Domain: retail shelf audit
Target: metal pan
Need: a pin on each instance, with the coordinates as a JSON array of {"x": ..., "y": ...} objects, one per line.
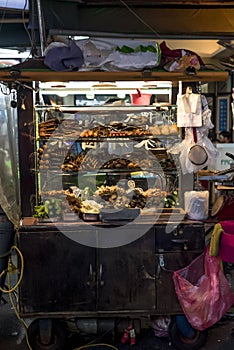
[{"x": 197, "y": 155}]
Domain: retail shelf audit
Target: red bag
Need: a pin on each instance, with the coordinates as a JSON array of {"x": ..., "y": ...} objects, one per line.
[{"x": 203, "y": 291}]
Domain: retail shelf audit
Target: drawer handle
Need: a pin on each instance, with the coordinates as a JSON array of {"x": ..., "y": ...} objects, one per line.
[
  {"x": 181, "y": 241},
  {"x": 101, "y": 275},
  {"x": 91, "y": 278},
  {"x": 146, "y": 275}
]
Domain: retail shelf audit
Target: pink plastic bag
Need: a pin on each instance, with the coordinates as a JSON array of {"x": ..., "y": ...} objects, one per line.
[{"x": 203, "y": 291}]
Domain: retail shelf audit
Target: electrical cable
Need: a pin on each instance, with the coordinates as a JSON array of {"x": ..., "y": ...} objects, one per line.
[
  {"x": 3, "y": 16},
  {"x": 23, "y": 18},
  {"x": 93, "y": 342},
  {"x": 11, "y": 290},
  {"x": 17, "y": 313},
  {"x": 99, "y": 344},
  {"x": 20, "y": 319},
  {"x": 25, "y": 27},
  {"x": 140, "y": 19},
  {"x": 10, "y": 268}
]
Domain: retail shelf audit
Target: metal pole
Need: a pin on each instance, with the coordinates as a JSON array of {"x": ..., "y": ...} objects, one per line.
[{"x": 41, "y": 27}]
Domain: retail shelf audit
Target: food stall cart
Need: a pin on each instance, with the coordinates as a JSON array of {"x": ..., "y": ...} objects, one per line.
[{"x": 107, "y": 270}]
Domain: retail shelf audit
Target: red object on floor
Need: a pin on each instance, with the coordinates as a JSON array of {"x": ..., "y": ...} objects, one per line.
[
  {"x": 129, "y": 333},
  {"x": 125, "y": 336},
  {"x": 132, "y": 336}
]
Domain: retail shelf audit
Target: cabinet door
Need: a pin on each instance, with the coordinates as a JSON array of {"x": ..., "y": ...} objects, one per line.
[
  {"x": 167, "y": 301},
  {"x": 126, "y": 276},
  {"x": 58, "y": 274}
]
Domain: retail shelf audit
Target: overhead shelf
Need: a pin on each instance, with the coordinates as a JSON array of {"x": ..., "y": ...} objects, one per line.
[{"x": 46, "y": 76}]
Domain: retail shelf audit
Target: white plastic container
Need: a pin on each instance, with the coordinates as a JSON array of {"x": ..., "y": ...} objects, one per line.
[{"x": 196, "y": 204}]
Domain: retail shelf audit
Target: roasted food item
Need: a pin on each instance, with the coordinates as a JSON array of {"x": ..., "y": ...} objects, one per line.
[
  {"x": 119, "y": 197},
  {"x": 165, "y": 130},
  {"x": 155, "y": 130},
  {"x": 114, "y": 130},
  {"x": 90, "y": 206},
  {"x": 119, "y": 163},
  {"x": 83, "y": 161},
  {"x": 106, "y": 190},
  {"x": 73, "y": 201},
  {"x": 173, "y": 129},
  {"x": 98, "y": 131},
  {"x": 51, "y": 157},
  {"x": 46, "y": 128},
  {"x": 207, "y": 172}
]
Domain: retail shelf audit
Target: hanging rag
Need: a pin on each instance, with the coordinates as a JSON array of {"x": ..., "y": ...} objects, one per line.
[
  {"x": 189, "y": 110},
  {"x": 215, "y": 240}
]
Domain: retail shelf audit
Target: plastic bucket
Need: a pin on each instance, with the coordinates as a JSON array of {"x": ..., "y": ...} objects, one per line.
[{"x": 140, "y": 99}]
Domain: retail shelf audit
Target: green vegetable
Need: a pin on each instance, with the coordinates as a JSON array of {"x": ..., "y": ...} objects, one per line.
[
  {"x": 171, "y": 200},
  {"x": 151, "y": 48},
  {"x": 126, "y": 49},
  {"x": 40, "y": 212}
]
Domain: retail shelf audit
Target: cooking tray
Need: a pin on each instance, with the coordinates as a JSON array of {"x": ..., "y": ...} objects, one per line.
[{"x": 121, "y": 214}]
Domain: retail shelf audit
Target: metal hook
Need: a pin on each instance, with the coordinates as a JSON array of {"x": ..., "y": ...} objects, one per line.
[
  {"x": 27, "y": 86},
  {"x": 23, "y": 98}
]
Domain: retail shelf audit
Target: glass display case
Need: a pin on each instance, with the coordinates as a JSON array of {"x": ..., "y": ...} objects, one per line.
[{"x": 92, "y": 159}]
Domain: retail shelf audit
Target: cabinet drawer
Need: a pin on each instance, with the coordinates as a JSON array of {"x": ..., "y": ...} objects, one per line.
[{"x": 180, "y": 238}]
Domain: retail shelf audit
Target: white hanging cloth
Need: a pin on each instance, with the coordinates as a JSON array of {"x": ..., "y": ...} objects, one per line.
[{"x": 189, "y": 110}]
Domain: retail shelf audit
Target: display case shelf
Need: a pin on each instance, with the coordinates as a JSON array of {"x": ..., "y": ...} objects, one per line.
[{"x": 47, "y": 75}]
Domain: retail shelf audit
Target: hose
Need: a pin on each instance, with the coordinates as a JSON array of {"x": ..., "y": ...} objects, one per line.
[
  {"x": 10, "y": 268},
  {"x": 11, "y": 290},
  {"x": 92, "y": 345}
]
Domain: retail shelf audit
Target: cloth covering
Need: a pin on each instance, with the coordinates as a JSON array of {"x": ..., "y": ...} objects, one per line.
[
  {"x": 189, "y": 110},
  {"x": 62, "y": 57}
]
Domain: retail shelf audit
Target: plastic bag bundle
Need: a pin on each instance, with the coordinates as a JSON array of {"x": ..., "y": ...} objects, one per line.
[
  {"x": 160, "y": 326},
  {"x": 203, "y": 291},
  {"x": 105, "y": 55},
  {"x": 184, "y": 147}
]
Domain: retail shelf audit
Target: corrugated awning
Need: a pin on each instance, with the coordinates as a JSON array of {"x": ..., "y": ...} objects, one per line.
[
  {"x": 132, "y": 19},
  {"x": 69, "y": 17}
]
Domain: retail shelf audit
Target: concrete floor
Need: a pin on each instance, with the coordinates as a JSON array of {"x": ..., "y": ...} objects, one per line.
[{"x": 221, "y": 336}]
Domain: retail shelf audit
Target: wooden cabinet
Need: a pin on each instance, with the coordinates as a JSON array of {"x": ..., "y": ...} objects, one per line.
[
  {"x": 127, "y": 273},
  {"x": 175, "y": 249},
  {"x": 63, "y": 277},
  {"x": 58, "y": 275}
]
